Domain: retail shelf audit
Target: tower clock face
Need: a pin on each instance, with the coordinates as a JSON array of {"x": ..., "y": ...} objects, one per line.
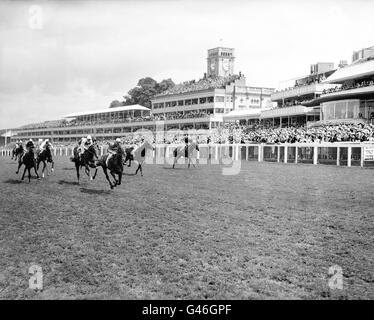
[
  {"x": 225, "y": 65},
  {"x": 212, "y": 66}
]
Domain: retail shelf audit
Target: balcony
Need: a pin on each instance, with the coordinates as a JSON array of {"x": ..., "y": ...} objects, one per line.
[{"x": 314, "y": 88}]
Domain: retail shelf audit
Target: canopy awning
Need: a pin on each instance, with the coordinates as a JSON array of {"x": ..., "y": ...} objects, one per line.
[
  {"x": 243, "y": 114},
  {"x": 289, "y": 111},
  {"x": 354, "y": 71},
  {"x": 108, "y": 110}
]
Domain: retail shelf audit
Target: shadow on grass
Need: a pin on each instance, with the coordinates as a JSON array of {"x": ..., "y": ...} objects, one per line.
[
  {"x": 69, "y": 183},
  {"x": 93, "y": 191},
  {"x": 13, "y": 181},
  {"x": 68, "y": 168},
  {"x": 180, "y": 167}
]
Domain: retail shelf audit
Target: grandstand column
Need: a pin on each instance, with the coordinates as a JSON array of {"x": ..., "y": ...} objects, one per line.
[
  {"x": 315, "y": 155},
  {"x": 349, "y": 156},
  {"x": 55, "y": 151},
  {"x": 296, "y": 153},
  {"x": 338, "y": 156},
  {"x": 246, "y": 153},
  {"x": 285, "y": 154},
  {"x": 216, "y": 156}
]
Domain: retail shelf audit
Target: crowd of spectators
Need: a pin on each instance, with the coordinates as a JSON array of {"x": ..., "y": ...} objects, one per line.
[
  {"x": 305, "y": 82},
  {"x": 205, "y": 83},
  {"x": 350, "y": 85},
  {"x": 235, "y": 133}
]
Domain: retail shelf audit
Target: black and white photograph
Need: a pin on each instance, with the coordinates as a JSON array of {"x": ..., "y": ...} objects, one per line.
[{"x": 185, "y": 150}]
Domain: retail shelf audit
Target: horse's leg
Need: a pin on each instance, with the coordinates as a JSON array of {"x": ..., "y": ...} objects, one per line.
[
  {"x": 77, "y": 168},
  {"x": 36, "y": 171},
  {"x": 129, "y": 165},
  {"x": 119, "y": 178},
  {"x": 141, "y": 168},
  {"x": 19, "y": 166},
  {"x": 114, "y": 177},
  {"x": 53, "y": 166},
  {"x": 44, "y": 166},
  {"x": 24, "y": 171},
  {"x": 107, "y": 177},
  {"x": 94, "y": 176},
  {"x": 175, "y": 161},
  {"x": 29, "y": 170}
]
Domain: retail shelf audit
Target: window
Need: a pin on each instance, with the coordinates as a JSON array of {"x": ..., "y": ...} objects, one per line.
[
  {"x": 173, "y": 103},
  {"x": 220, "y": 99},
  {"x": 187, "y": 102},
  {"x": 180, "y": 103},
  {"x": 195, "y": 101},
  {"x": 202, "y": 100},
  {"x": 210, "y": 99}
]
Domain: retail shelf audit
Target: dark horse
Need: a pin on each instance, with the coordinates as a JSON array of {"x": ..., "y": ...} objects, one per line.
[
  {"x": 129, "y": 156},
  {"x": 86, "y": 160},
  {"x": 114, "y": 165},
  {"x": 17, "y": 151},
  {"x": 45, "y": 156},
  {"x": 27, "y": 158}
]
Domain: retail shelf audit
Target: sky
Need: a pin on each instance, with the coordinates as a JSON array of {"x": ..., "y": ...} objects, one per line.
[{"x": 59, "y": 57}]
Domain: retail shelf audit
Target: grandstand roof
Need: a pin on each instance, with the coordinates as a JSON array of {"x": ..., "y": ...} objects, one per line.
[
  {"x": 107, "y": 110},
  {"x": 354, "y": 71}
]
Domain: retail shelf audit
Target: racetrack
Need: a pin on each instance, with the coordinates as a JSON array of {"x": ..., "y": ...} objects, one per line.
[{"x": 270, "y": 232}]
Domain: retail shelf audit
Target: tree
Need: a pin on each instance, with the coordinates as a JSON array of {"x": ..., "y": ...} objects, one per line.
[
  {"x": 145, "y": 90},
  {"x": 115, "y": 104}
]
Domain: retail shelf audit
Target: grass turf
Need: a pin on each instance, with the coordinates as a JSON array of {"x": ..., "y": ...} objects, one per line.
[{"x": 270, "y": 232}]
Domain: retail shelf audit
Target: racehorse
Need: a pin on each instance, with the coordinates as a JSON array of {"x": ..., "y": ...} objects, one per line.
[
  {"x": 138, "y": 155},
  {"x": 185, "y": 151},
  {"x": 27, "y": 158},
  {"x": 16, "y": 152},
  {"x": 45, "y": 156},
  {"x": 86, "y": 160},
  {"x": 129, "y": 156},
  {"x": 114, "y": 165}
]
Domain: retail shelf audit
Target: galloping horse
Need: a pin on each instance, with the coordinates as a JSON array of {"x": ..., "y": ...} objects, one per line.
[
  {"x": 185, "y": 151},
  {"x": 17, "y": 151},
  {"x": 45, "y": 156},
  {"x": 138, "y": 155},
  {"x": 114, "y": 165},
  {"x": 86, "y": 160},
  {"x": 27, "y": 158}
]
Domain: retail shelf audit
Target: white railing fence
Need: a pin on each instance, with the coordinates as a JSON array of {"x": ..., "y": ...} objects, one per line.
[{"x": 340, "y": 154}]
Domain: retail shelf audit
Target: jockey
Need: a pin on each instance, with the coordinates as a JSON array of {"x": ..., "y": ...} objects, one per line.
[
  {"x": 43, "y": 146},
  {"x": 114, "y": 148},
  {"x": 85, "y": 143},
  {"x": 30, "y": 145}
]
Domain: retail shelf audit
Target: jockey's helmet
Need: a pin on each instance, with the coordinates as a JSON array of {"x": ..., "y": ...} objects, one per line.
[
  {"x": 89, "y": 137},
  {"x": 20, "y": 141},
  {"x": 118, "y": 140}
]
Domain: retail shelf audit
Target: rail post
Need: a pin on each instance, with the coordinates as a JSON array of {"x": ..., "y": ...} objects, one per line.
[
  {"x": 349, "y": 156},
  {"x": 338, "y": 156},
  {"x": 315, "y": 155},
  {"x": 246, "y": 153},
  {"x": 362, "y": 156},
  {"x": 278, "y": 154},
  {"x": 285, "y": 154},
  {"x": 296, "y": 154}
]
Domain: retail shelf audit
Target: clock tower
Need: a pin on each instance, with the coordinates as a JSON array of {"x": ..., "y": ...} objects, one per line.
[{"x": 220, "y": 62}]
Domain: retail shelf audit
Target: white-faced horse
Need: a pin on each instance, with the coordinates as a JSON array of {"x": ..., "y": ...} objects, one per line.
[
  {"x": 139, "y": 155},
  {"x": 185, "y": 151}
]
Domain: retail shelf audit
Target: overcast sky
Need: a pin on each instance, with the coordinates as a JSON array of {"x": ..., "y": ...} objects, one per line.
[{"x": 82, "y": 55}]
